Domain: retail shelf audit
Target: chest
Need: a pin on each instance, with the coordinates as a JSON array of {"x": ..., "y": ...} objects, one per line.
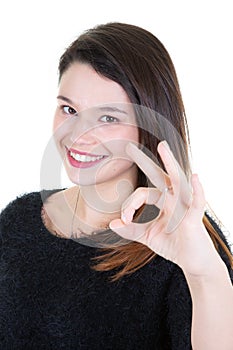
[{"x": 60, "y": 299}]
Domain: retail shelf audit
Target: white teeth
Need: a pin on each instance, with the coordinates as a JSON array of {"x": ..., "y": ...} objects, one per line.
[{"x": 83, "y": 158}]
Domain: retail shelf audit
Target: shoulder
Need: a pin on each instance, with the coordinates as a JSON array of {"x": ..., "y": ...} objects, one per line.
[
  {"x": 17, "y": 208},
  {"x": 221, "y": 233},
  {"x": 219, "y": 228},
  {"x": 22, "y": 211}
]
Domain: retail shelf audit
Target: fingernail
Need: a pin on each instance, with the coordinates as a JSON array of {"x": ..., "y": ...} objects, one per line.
[
  {"x": 130, "y": 149},
  {"x": 166, "y": 144},
  {"x": 115, "y": 225},
  {"x": 129, "y": 146}
]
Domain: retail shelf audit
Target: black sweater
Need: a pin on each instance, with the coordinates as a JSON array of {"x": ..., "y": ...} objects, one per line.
[{"x": 51, "y": 298}]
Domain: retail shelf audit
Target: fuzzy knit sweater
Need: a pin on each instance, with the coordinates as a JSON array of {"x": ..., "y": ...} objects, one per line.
[{"x": 51, "y": 298}]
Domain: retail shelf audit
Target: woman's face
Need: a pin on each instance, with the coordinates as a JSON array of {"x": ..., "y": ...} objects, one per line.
[{"x": 94, "y": 121}]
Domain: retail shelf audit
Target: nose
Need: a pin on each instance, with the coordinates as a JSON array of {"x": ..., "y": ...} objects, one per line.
[{"x": 83, "y": 130}]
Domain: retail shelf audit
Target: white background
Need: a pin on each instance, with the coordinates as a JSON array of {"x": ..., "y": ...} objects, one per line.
[{"x": 198, "y": 36}]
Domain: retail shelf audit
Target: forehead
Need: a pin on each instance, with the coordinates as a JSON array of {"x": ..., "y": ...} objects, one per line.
[{"x": 83, "y": 85}]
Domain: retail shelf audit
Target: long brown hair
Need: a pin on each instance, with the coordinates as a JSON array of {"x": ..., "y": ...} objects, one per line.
[{"x": 138, "y": 61}]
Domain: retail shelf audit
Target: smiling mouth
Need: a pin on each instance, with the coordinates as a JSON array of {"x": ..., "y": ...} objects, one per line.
[
  {"x": 84, "y": 158},
  {"x": 81, "y": 159}
]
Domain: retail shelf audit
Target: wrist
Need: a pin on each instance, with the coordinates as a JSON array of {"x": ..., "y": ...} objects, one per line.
[{"x": 216, "y": 274}]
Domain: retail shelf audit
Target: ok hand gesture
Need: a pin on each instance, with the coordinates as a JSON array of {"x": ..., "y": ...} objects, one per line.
[{"x": 177, "y": 233}]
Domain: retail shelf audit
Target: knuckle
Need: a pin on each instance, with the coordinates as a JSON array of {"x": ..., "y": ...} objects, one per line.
[{"x": 176, "y": 180}]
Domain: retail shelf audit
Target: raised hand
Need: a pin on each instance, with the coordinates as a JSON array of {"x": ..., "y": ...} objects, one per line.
[{"x": 177, "y": 233}]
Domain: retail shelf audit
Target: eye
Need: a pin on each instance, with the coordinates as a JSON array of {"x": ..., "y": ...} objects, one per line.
[
  {"x": 109, "y": 119},
  {"x": 68, "y": 110}
]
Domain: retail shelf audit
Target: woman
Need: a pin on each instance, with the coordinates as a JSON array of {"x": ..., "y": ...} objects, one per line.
[{"x": 128, "y": 258}]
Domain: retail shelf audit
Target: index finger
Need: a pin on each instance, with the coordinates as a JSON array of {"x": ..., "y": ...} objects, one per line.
[{"x": 157, "y": 175}]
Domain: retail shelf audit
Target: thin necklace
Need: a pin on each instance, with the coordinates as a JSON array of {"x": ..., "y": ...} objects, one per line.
[
  {"x": 75, "y": 209},
  {"x": 73, "y": 233}
]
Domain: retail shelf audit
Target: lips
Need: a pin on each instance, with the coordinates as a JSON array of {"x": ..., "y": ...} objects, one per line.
[{"x": 80, "y": 159}]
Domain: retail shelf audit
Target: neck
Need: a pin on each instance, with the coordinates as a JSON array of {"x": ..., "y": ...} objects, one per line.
[{"x": 100, "y": 203}]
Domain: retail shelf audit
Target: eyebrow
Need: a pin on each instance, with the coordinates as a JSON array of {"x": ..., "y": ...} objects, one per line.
[
  {"x": 66, "y": 99},
  {"x": 102, "y": 108},
  {"x": 111, "y": 109}
]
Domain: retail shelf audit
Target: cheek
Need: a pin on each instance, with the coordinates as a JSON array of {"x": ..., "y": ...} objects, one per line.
[
  {"x": 57, "y": 121},
  {"x": 133, "y": 134},
  {"x": 115, "y": 168},
  {"x": 118, "y": 136},
  {"x": 117, "y": 142},
  {"x": 61, "y": 129},
  {"x": 61, "y": 125}
]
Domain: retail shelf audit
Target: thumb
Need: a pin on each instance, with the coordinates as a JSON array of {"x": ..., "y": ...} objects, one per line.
[
  {"x": 199, "y": 201},
  {"x": 121, "y": 229},
  {"x": 116, "y": 224},
  {"x": 132, "y": 231}
]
